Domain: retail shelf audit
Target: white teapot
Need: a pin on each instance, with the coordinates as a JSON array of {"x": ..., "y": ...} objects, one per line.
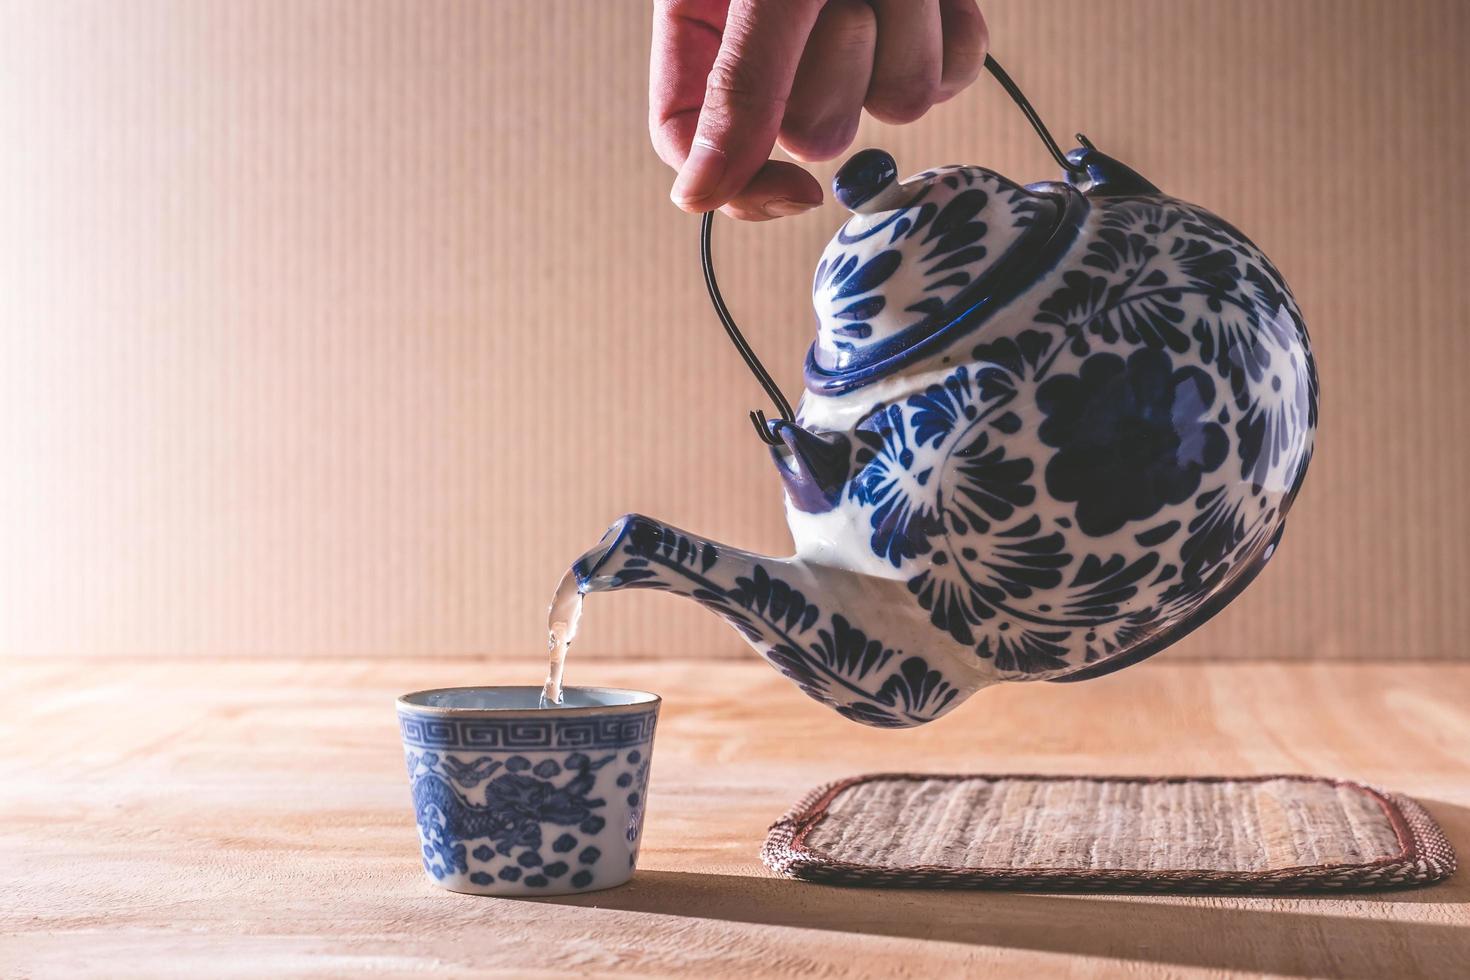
[{"x": 1047, "y": 431}]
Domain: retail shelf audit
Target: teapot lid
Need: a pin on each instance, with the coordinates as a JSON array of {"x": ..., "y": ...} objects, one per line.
[
  {"x": 922, "y": 259},
  {"x": 927, "y": 259}
]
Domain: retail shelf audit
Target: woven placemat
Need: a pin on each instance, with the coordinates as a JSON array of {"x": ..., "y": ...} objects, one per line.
[{"x": 1074, "y": 833}]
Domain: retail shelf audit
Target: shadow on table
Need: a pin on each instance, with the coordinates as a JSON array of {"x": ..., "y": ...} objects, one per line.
[{"x": 1240, "y": 935}]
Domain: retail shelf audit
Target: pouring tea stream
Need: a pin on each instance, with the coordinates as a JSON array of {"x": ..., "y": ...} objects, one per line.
[{"x": 1047, "y": 431}]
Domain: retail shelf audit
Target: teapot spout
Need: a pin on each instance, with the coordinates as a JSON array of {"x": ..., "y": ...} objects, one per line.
[
  {"x": 821, "y": 626},
  {"x": 636, "y": 553}
]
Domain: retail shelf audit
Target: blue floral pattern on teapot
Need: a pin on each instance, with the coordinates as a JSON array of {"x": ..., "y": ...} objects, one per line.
[{"x": 1047, "y": 431}]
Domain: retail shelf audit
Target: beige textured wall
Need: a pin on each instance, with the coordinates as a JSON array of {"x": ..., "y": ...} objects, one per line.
[{"x": 335, "y": 326}]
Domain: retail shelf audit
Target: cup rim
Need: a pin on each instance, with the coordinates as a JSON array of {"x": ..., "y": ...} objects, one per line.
[{"x": 637, "y": 701}]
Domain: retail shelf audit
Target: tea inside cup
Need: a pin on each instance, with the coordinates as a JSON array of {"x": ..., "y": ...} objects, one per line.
[{"x": 512, "y": 798}]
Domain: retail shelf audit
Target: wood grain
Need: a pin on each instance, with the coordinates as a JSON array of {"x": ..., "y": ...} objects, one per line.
[
  {"x": 175, "y": 819},
  {"x": 340, "y": 327}
]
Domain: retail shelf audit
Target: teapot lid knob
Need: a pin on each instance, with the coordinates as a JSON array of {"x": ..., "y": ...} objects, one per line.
[{"x": 866, "y": 182}]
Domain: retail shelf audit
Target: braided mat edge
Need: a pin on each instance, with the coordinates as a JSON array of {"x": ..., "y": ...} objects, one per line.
[{"x": 1425, "y": 856}]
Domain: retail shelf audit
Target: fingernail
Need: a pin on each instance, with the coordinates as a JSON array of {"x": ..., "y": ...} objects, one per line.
[
  {"x": 783, "y": 207},
  {"x": 700, "y": 175}
]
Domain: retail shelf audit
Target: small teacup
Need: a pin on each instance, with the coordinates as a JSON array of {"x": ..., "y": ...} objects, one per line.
[{"x": 515, "y": 799}]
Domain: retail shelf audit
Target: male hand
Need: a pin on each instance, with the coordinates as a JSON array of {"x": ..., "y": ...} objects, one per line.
[{"x": 732, "y": 78}]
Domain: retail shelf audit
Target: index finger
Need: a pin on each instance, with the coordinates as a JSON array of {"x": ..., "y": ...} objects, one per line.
[
  {"x": 745, "y": 95},
  {"x": 686, "y": 38}
]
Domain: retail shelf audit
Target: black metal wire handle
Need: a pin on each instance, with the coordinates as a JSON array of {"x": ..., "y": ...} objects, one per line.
[
  {"x": 1014, "y": 91},
  {"x": 757, "y": 417}
]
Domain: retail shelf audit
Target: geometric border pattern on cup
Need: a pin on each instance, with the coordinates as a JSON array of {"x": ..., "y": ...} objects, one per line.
[{"x": 617, "y": 731}]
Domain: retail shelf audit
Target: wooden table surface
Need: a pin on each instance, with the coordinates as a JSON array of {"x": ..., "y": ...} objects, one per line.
[{"x": 251, "y": 818}]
